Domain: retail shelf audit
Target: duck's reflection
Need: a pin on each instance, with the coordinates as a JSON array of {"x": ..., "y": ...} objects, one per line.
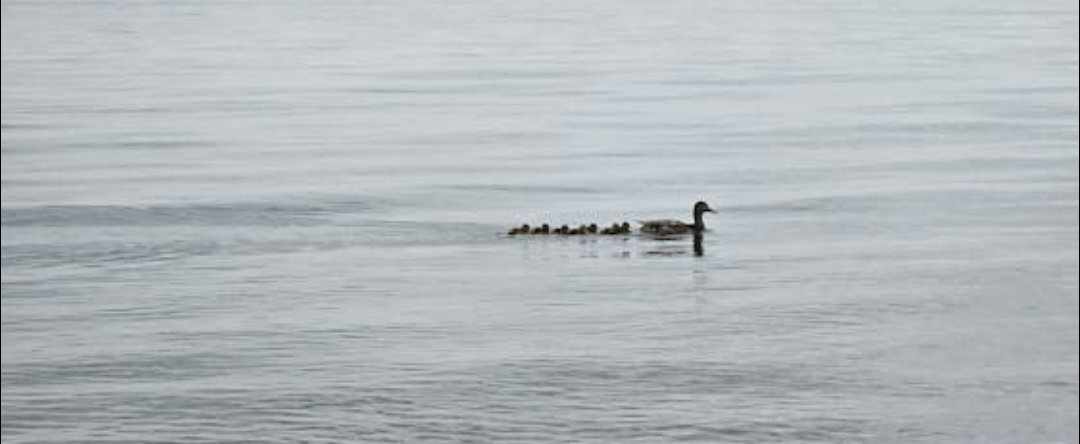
[{"x": 674, "y": 246}]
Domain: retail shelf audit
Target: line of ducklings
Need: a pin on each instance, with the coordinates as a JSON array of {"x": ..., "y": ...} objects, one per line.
[{"x": 615, "y": 229}]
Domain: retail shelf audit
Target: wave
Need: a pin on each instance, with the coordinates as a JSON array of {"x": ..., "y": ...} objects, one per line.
[{"x": 236, "y": 214}]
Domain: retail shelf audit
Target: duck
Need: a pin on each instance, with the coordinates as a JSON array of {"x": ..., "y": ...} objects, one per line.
[
  {"x": 668, "y": 227},
  {"x": 612, "y": 230},
  {"x": 592, "y": 228}
]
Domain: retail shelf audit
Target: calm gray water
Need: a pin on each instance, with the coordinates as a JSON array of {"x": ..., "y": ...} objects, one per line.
[{"x": 279, "y": 221}]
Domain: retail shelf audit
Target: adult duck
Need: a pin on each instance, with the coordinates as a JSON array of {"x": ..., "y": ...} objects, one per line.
[{"x": 669, "y": 227}]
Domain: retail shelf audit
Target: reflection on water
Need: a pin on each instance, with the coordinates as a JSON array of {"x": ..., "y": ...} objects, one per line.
[{"x": 674, "y": 245}]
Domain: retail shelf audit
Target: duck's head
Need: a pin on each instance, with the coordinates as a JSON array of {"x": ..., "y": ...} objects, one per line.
[{"x": 702, "y": 207}]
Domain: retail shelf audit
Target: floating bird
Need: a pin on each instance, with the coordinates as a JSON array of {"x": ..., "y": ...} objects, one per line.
[
  {"x": 613, "y": 229},
  {"x": 668, "y": 227},
  {"x": 658, "y": 227}
]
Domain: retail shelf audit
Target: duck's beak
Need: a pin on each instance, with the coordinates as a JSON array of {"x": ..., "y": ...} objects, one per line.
[{"x": 709, "y": 210}]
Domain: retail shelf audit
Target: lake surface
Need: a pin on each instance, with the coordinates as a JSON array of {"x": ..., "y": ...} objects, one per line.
[{"x": 285, "y": 221}]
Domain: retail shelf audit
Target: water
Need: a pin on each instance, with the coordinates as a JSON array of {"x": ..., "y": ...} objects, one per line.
[{"x": 280, "y": 221}]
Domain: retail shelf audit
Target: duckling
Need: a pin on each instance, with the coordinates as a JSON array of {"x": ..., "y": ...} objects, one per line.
[
  {"x": 625, "y": 228},
  {"x": 545, "y": 229},
  {"x": 513, "y": 231},
  {"x": 592, "y": 228},
  {"x": 538, "y": 230},
  {"x": 564, "y": 229}
]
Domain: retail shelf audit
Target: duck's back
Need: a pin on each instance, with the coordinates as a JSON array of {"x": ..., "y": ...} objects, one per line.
[{"x": 666, "y": 226}]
